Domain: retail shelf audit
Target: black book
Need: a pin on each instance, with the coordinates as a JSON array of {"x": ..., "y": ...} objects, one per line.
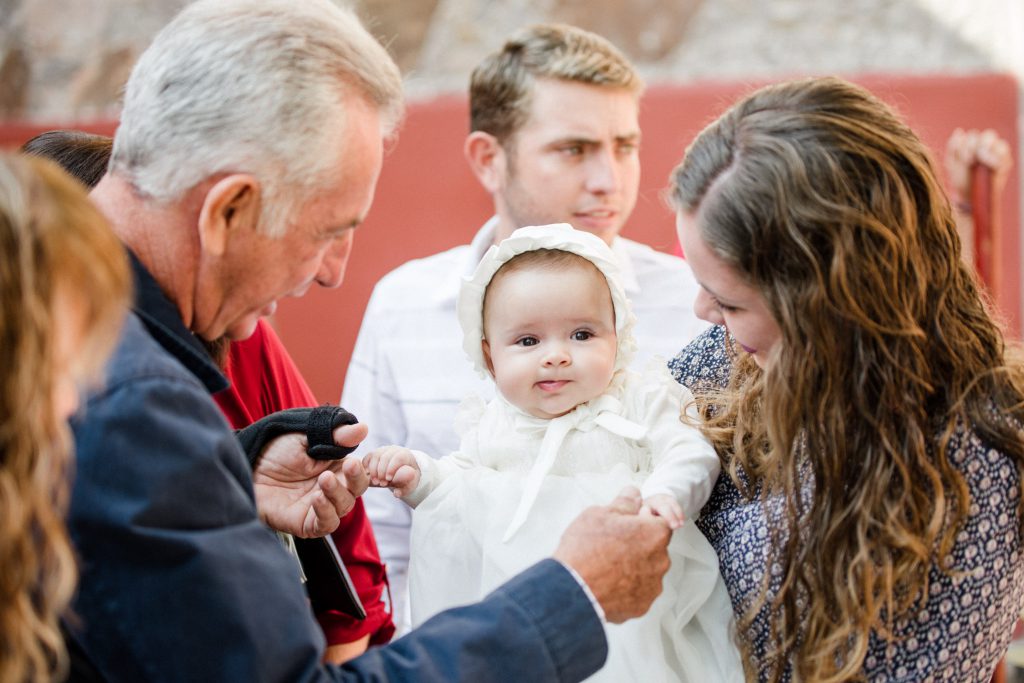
[{"x": 327, "y": 581}]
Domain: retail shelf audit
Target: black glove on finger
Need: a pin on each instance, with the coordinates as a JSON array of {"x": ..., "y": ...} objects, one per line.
[{"x": 318, "y": 424}]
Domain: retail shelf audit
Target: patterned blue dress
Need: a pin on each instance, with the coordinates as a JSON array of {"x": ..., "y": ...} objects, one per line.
[{"x": 964, "y": 627}]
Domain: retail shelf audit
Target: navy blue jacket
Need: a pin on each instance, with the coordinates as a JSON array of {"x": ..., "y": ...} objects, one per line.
[{"x": 180, "y": 581}]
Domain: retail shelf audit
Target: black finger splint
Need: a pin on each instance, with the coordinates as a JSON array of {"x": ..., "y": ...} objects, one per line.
[{"x": 318, "y": 424}]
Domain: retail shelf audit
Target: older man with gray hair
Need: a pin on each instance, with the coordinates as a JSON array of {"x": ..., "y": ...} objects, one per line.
[{"x": 248, "y": 151}]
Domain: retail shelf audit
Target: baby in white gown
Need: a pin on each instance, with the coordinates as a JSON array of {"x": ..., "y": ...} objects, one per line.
[{"x": 545, "y": 315}]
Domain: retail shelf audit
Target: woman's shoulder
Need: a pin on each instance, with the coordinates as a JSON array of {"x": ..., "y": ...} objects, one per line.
[{"x": 705, "y": 362}]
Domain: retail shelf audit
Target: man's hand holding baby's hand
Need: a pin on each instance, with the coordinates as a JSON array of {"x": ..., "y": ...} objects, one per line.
[
  {"x": 393, "y": 467},
  {"x": 665, "y": 506}
]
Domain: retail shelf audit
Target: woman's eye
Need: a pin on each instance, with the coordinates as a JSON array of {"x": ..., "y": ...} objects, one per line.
[{"x": 724, "y": 307}]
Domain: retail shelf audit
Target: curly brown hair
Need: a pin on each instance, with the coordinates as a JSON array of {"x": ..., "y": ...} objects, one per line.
[
  {"x": 54, "y": 244},
  {"x": 817, "y": 194}
]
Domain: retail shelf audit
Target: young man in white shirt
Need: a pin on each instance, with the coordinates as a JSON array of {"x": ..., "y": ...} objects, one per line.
[{"x": 554, "y": 138}]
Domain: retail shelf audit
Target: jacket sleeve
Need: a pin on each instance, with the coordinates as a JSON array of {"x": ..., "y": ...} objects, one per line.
[{"x": 539, "y": 626}]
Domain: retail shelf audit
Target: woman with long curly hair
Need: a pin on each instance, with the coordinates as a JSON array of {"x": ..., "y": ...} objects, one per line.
[
  {"x": 859, "y": 392},
  {"x": 64, "y": 291}
]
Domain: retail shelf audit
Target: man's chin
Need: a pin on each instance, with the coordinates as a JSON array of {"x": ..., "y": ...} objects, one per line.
[
  {"x": 242, "y": 329},
  {"x": 606, "y": 230}
]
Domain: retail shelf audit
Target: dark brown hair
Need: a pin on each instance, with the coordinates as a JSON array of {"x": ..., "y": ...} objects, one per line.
[
  {"x": 819, "y": 196},
  {"x": 84, "y": 155}
]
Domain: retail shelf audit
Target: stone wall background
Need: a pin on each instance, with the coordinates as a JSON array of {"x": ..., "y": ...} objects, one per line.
[{"x": 65, "y": 60}]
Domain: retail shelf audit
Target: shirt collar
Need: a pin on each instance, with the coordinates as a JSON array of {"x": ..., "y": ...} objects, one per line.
[
  {"x": 484, "y": 238},
  {"x": 482, "y": 241},
  {"x": 164, "y": 323},
  {"x": 625, "y": 263}
]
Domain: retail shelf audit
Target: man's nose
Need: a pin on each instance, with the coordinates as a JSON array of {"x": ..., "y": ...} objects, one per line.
[
  {"x": 332, "y": 267},
  {"x": 604, "y": 175}
]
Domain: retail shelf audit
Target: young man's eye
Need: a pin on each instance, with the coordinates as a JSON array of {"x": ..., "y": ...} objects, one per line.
[
  {"x": 582, "y": 335},
  {"x": 527, "y": 341}
]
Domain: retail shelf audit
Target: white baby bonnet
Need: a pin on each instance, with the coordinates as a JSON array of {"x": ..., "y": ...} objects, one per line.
[{"x": 561, "y": 236}]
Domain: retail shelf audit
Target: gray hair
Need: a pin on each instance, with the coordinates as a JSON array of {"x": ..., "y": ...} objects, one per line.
[{"x": 254, "y": 86}]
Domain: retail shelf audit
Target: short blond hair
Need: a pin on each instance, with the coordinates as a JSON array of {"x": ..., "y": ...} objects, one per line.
[{"x": 501, "y": 85}]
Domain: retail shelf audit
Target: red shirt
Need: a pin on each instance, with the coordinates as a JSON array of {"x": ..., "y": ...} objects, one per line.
[{"x": 265, "y": 379}]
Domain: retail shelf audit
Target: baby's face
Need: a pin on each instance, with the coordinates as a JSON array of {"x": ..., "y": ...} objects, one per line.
[{"x": 550, "y": 337}]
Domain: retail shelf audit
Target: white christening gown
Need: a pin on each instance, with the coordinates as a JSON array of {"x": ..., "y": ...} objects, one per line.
[{"x": 502, "y": 501}]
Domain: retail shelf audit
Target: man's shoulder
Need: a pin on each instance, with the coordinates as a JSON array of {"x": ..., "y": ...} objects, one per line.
[
  {"x": 148, "y": 397},
  {"x": 436, "y": 265},
  {"x": 413, "y": 281},
  {"x": 657, "y": 273},
  {"x": 646, "y": 256},
  {"x": 138, "y": 356}
]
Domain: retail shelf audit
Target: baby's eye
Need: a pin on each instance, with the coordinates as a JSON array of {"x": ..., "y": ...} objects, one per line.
[
  {"x": 527, "y": 341},
  {"x": 582, "y": 335}
]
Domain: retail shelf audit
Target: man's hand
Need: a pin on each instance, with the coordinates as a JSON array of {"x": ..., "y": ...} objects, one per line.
[
  {"x": 621, "y": 555},
  {"x": 306, "y": 497},
  {"x": 666, "y": 507}
]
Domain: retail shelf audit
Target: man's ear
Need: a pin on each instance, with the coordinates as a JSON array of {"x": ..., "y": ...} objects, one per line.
[
  {"x": 230, "y": 205},
  {"x": 486, "y": 157},
  {"x": 485, "y": 345}
]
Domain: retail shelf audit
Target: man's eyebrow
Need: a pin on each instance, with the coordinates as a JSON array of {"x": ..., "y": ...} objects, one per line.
[
  {"x": 585, "y": 140},
  {"x": 339, "y": 229},
  {"x": 573, "y": 140}
]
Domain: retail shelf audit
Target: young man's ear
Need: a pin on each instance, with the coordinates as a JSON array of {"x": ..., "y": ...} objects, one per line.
[
  {"x": 231, "y": 205},
  {"x": 487, "y": 356},
  {"x": 487, "y": 159}
]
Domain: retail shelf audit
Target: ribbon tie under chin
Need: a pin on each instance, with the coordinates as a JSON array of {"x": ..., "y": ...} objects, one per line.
[{"x": 604, "y": 412}]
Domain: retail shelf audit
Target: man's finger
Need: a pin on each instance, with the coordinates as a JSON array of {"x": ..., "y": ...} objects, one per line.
[
  {"x": 340, "y": 499},
  {"x": 325, "y": 515},
  {"x": 350, "y": 435},
  {"x": 628, "y": 501},
  {"x": 355, "y": 477}
]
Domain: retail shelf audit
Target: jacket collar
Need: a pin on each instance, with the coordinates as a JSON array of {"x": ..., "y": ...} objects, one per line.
[{"x": 165, "y": 325}]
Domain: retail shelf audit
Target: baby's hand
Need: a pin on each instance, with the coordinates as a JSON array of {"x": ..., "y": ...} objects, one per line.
[
  {"x": 393, "y": 467},
  {"x": 666, "y": 507}
]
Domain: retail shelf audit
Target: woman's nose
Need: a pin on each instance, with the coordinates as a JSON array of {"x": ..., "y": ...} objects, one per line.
[{"x": 705, "y": 309}]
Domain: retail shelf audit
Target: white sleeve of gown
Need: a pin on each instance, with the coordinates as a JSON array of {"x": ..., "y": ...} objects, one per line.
[
  {"x": 434, "y": 471},
  {"x": 685, "y": 465}
]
